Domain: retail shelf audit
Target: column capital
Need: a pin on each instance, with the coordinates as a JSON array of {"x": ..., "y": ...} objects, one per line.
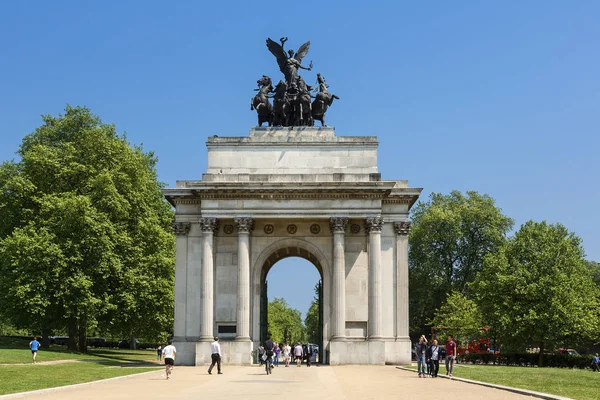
[
  {"x": 208, "y": 224},
  {"x": 338, "y": 224},
  {"x": 181, "y": 228},
  {"x": 244, "y": 224},
  {"x": 374, "y": 224},
  {"x": 402, "y": 228}
]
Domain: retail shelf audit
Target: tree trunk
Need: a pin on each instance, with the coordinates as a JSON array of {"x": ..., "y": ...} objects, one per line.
[
  {"x": 45, "y": 338},
  {"x": 82, "y": 337},
  {"x": 132, "y": 341},
  {"x": 72, "y": 346},
  {"x": 541, "y": 355}
]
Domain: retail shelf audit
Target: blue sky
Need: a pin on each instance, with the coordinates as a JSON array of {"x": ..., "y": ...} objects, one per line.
[{"x": 498, "y": 97}]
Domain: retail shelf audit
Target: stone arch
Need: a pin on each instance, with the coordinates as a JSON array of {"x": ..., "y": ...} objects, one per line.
[{"x": 278, "y": 250}]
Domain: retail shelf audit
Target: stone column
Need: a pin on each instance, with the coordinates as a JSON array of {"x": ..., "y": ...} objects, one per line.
[
  {"x": 181, "y": 230},
  {"x": 338, "y": 228},
  {"x": 402, "y": 230},
  {"x": 244, "y": 226},
  {"x": 374, "y": 226},
  {"x": 208, "y": 226}
]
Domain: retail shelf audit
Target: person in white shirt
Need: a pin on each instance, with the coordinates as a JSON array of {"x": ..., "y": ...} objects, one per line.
[
  {"x": 215, "y": 349},
  {"x": 298, "y": 352},
  {"x": 287, "y": 350},
  {"x": 169, "y": 353}
]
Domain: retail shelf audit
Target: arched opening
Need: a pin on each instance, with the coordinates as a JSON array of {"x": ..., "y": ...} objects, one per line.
[{"x": 288, "y": 267}]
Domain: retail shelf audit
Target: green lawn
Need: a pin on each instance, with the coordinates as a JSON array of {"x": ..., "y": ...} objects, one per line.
[
  {"x": 574, "y": 383},
  {"x": 97, "y": 364}
]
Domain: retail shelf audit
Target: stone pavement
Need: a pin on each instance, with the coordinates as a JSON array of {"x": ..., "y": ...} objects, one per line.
[{"x": 331, "y": 383}]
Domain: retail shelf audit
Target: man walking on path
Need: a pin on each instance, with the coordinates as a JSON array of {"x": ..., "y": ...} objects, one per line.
[
  {"x": 308, "y": 354},
  {"x": 215, "y": 349},
  {"x": 435, "y": 352},
  {"x": 595, "y": 363},
  {"x": 34, "y": 345},
  {"x": 450, "y": 355},
  {"x": 169, "y": 353},
  {"x": 298, "y": 354},
  {"x": 420, "y": 350}
]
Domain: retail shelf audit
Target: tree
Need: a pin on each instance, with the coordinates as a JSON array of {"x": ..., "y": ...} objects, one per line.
[
  {"x": 458, "y": 316},
  {"x": 594, "y": 269},
  {"x": 538, "y": 290},
  {"x": 86, "y": 243},
  {"x": 450, "y": 236},
  {"x": 285, "y": 323},
  {"x": 311, "y": 321}
]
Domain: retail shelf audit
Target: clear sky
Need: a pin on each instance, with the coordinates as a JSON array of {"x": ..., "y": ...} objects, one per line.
[{"x": 498, "y": 97}]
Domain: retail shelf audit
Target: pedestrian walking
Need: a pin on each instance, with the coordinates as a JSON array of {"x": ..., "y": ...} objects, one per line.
[
  {"x": 158, "y": 353},
  {"x": 34, "y": 345},
  {"x": 277, "y": 352},
  {"x": 269, "y": 351},
  {"x": 298, "y": 353},
  {"x": 169, "y": 353},
  {"x": 215, "y": 350},
  {"x": 596, "y": 363},
  {"x": 287, "y": 353},
  {"x": 435, "y": 353},
  {"x": 309, "y": 354},
  {"x": 261, "y": 353},
  {"x": 420, "y": 352},
  {"x": 450, "y": 355}
]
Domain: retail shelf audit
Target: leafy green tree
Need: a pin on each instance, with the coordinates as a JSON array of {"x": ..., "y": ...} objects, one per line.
[
  {"x": 285, "y": 323},
  {"x": 538, "y": 289},
  {"x": 594, "y": 269},
  {"x": 311, "y": 321},
  {"x": 458, "y": 316},
  {"x": 87, "y": 243},
  {"x": 450, "y": 236}
]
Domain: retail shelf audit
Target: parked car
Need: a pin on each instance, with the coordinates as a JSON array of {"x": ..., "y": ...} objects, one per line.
[
  {"x": 59, "y": 340},
  {"x": 124, "y": 343},
  {"x": 571, "y": 352},
  {"x": 96, "y": 342}
]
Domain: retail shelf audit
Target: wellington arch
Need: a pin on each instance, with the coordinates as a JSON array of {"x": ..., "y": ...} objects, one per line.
[{"x": 292, "y": 192}]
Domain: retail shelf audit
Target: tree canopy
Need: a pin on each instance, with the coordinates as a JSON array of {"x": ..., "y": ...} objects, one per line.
[
  {"x": 450, "y": 236},
  {"x": 285, "y": 323},
  {"x": 85, "y": 241},
  {"x": 537, "y": 290},
  {"x": 458, "y": 316}
]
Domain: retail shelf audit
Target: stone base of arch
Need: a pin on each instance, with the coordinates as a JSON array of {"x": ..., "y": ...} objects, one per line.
[{"x": 292, "y": 192}]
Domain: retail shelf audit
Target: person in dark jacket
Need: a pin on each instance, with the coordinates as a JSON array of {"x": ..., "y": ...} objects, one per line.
[
  {"x": 420, "y": 352},
  {"x": 308, "y": 354}
]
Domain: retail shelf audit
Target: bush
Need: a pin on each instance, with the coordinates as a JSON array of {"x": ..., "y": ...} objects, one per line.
[{"x": 528, "y": 360}]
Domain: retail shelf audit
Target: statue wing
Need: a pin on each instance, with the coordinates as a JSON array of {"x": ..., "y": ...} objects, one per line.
[
  {"x": 276, "y": 49},
  {"x": 302, "y": 51}
]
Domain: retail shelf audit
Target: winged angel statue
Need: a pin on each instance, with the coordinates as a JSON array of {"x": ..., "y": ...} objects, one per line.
[
  {"x": 291, "y": 99},
  {"x": 289, "y": 63}
]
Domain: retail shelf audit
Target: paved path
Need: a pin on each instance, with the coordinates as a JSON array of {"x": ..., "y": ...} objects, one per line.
[{"x": 331, "y": 383}]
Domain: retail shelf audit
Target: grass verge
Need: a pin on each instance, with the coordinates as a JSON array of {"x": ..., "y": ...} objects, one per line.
[
  {"x": 21, "y": 375},
  {"x": 574, "y": 383}
]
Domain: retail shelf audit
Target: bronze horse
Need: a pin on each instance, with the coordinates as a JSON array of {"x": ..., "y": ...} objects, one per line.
[
  {"x": 322, "y": 101},
  {"x": 281, "y": 105},
  {"x": 261, "y": 102}
]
